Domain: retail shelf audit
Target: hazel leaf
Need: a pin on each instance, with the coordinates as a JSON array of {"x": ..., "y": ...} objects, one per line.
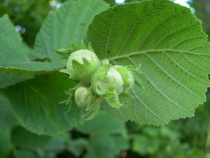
[{"x": 168, "y": 41}]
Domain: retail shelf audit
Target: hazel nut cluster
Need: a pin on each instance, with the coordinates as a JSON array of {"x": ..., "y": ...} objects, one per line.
[{"x": 98, "y": 80}]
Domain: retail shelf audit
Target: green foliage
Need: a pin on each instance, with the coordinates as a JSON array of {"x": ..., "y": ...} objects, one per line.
[
  {"x": 113, "y": 133},
  {"x": 8, "y": 79},
  {"x": 99, "y": 147},
  {"x": 38, "y": 107},
  {"x": 173, "y": 53},
  {"x": 164, "y": 38},
  {"x": 66, "y": 25},
  {"x": 31, "y": 140},
  {"x": 109, "y": 127},
  {"x": 13, "y": 57},
  {"x": 7, "y": 30},
  {"x": 144, "y": 145},
  {"x": 5, "y": 144},
  {"x": 7, "y": 117},
  {"x": 24, "y": 154},
  {"x": 27, "y": 14},
  {"x": 14, "y": 60}
]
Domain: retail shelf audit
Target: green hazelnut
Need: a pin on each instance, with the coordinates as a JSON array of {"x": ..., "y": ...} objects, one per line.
[
  {"x": 127, "y": 76},
  {"x": 108, "y": 83},
  {"x": 81, "y": 65},
  {"x": 84, "y": 96},
  {"x": 106, "y": 78}
]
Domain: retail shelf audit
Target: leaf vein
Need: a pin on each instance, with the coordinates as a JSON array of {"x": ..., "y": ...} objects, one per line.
[
  {"x": 175, "y": 62},
  {"x": 202, "y": 46},
  {"x": 159, "y": 50},
  {"x": 127, "y": 38},
  {"x": 161, "y": 92},
  {"x": 99, "y": 32},
  {"x": 172, "y": 77},
  {"x": 171, "y": 33},
  {"x": 195, "y": 63},
  {"x": 134, "y": 108},
  {"x": 186, "y": 40},
  {"x": 167, "y": 98},
  {"x": 108, "y": 38},
  {"x": 99, "y": 20},
  {"x": 146, "y": 107},
  {"x": 155, "y": 27}
]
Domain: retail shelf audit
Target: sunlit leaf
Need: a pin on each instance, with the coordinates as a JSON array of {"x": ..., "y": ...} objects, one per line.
[{"x": 167, "y": 40}]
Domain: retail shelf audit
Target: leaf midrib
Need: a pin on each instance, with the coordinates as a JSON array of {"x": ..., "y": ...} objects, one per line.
[{"x": 152, "y": 51}]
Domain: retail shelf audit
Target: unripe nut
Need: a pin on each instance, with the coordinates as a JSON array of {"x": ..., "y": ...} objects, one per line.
[
  {"x": 81, "y": 65},
  {"x": 127, "y": 76},
  {"x": 112, "y": 78},
  {"x": 84, "y": 96}
]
